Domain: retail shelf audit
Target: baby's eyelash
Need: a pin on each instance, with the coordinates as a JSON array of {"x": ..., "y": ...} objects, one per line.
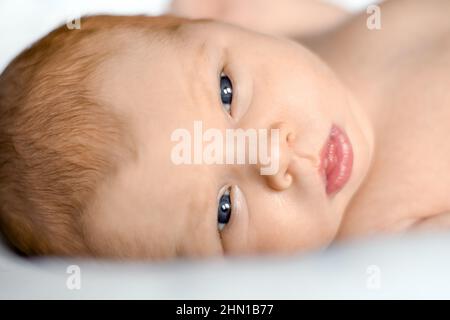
[{"x": 227, "y": 107}]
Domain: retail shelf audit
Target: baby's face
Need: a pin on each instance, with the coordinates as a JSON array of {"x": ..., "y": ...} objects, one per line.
[{"x": 157, "y": 208}]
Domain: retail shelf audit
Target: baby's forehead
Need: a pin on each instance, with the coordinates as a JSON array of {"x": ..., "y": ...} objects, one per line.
[{"x": 158, "y": 85}]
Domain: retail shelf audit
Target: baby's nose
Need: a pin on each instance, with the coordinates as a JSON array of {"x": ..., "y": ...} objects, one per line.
[{"x": 280, "y": 178}]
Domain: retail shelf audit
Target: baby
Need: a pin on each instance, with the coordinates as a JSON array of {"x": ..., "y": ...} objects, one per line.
[{"x": 87, "y": 122}]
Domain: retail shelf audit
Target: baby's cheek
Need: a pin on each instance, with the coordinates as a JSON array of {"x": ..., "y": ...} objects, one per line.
[
  {"x": 271, "y": 228},
  {"x": 277, "y": 228}
]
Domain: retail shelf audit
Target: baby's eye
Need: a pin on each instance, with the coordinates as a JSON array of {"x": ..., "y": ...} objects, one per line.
[
  {"x": 226, "y": 92},
  {"x": 224, "y": 210}
]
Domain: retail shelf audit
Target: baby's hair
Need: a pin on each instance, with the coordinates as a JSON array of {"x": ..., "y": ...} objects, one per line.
[{"x": 58, "y": 142}]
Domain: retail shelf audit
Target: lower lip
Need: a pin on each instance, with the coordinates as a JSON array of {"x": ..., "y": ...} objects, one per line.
[{"x": 336, "y": 160}]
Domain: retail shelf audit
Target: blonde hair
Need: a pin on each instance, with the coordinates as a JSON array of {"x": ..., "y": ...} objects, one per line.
[{"x": 57, "y": 142}]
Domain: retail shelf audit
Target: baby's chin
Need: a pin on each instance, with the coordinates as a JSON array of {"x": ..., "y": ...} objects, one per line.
[{"x": 363, "y": 149}]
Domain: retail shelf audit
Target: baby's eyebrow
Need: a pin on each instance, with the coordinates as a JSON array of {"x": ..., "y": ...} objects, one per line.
[
  {"x": 203, "y": 205},
  {"x": 201, "y": 215},
  {"x": 202, "y": 50},
  {"x": 200, "y": 88}
]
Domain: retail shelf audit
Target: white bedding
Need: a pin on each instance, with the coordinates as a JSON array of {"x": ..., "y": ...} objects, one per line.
[{"x": 408, "y": 267}]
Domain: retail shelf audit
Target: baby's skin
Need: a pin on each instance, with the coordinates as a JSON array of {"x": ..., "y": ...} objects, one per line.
[{"x": 387, "y": 90}]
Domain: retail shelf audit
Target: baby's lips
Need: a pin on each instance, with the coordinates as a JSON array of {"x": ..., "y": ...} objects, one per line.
[{"x": 336, "y": 160}]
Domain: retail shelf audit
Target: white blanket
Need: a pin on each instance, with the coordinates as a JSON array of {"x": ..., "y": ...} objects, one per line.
[{"x": 407, "y": 267}]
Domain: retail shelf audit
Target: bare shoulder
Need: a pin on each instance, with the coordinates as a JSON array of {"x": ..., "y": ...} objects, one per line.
[
  {"x": 281, "y": 17},
  {"x": 417, "y": 18},
  {"x": 405, "y": 28}
]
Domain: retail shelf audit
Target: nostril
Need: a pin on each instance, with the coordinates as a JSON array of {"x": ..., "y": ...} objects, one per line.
[
  {"x": 280, "y": 182},
  {"x": 290, "y": 139},
  {"x": 287, "y": 181}
]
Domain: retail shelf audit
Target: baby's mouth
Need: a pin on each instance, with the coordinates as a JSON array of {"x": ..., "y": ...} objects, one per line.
[{"x": 336, "y": 160}]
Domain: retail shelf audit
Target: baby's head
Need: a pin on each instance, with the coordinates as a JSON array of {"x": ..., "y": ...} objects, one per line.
[{"x": 89, "y": 123}]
